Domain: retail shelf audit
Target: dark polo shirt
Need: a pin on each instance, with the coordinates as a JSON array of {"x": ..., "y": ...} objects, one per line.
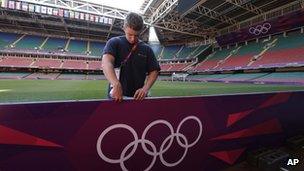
[{"x": 133, "y": 72}]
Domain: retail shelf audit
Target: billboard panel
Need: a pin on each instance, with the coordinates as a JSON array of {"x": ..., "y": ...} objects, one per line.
[{"x": 189, "y": 133}]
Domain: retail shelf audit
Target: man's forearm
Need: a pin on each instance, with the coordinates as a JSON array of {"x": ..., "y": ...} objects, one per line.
[
  {"x": 108, "y": 70},
  {"x": 151, "y": 79}
]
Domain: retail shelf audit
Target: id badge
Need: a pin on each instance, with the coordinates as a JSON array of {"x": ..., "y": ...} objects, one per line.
[{"x": 117, "y": 73}]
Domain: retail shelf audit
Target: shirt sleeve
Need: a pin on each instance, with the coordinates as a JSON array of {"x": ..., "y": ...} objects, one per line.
[
  {"x": 111, "y": 47},
  {"x": 152, "y": 61}
]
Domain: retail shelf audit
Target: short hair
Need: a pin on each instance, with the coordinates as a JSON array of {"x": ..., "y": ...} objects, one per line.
[{"x": 134, "y": 21}]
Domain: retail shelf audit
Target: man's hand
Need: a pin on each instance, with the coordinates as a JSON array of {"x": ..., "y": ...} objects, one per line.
[
  {"x": 141, "y": 93},
  {"x": 117, "y": 92}
]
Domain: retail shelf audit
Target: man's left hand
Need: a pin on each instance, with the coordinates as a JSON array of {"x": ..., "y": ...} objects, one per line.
[{"x": 140, "y": 94}]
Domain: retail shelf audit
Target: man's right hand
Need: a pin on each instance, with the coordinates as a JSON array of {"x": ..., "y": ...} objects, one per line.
[{"x": 117, "y": 92}]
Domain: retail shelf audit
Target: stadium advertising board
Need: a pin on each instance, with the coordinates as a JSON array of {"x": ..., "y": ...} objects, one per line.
[{"x": 190, "y": 133}]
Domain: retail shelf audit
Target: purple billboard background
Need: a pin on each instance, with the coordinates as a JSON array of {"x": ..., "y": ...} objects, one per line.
[
  {"x": 191, "y": 133},
  {"x": 280, "y": 24}
]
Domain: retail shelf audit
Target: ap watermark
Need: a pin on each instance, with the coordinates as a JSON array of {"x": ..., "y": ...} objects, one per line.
[{"x": 293, "y": 162}]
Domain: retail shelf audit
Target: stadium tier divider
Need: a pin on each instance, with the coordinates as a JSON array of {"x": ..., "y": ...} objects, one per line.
[
  {"x": 289, "y": 78},
  {"x": 13, "y": 75},
  {"x": 283, "y": 77},
  {"x": 41, "y": 75}
]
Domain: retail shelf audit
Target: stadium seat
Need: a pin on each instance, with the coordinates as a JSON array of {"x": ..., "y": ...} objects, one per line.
[
  {"x": 30, "y": 42},
  {"x": 77, "y": 46},
  {"x": 7, "y": 38},
  {"x": 54, "y": 44},
  {"x": 96, "y": 49},
  {"x": 169, "y": 52}
]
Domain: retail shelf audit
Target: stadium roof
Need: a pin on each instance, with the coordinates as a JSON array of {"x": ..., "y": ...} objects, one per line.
[
  {"x": 129, "y": 5},
  {"x": 203, "y": 20},
  {"x": 208, "y": 18}
]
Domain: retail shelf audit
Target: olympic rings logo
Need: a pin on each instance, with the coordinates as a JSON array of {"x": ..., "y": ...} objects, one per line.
[
  {"x": 260, "y": 29},
  {"x": 144, "y": 142}
]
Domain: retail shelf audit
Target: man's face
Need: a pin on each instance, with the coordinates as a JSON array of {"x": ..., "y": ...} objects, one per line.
[{"x": 131, "y": 35}]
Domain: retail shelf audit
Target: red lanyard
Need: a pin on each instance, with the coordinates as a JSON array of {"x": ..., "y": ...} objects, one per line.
[{"x": 130, "y": 53}]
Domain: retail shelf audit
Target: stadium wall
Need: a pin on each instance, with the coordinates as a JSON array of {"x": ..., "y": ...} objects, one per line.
[{"x": 189, "y": 133}]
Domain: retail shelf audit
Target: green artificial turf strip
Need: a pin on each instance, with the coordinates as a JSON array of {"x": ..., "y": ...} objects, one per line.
[{"x": 52, "y": 90}]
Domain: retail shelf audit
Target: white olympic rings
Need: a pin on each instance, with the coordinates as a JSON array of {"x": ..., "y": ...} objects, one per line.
[
  {"x": 166, "y": 144},
  {"x": 260, "y": 29}
]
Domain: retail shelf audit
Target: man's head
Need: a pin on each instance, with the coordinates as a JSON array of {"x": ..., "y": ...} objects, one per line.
[{"x": 132, "y": 26}]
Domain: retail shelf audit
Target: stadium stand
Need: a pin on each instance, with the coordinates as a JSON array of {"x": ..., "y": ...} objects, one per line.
[
  {"x": 7, "y": 38},
  {"x": 242, "y": 58},
  {"x": 175, "y": 66},
  {"x": 75, "y": 64},
  {"x": 47, "y": 63},
  {"x": 198, "y": 50},
  {"x": 190, "y": 52},
  {"x": 54, "y": 44},
  {"x": 169, "y": 52},
  {"x": 16, "y": 62},
  {"x": 95, "y": 65},
  {"x": 286, "y": 51},
  {"x": 75, "y": 52},
  {"x": 178, "y": 66},
  {"x": 207, "y": 41},
  {"x": 280, "y": 51},
  {"x": 215, "y": 59},
  {"x": 165, "y": 67},
  {"x": 96, "y": 49},
  {"x": 157, "y": 49},
  {"x": 185, "y": 52},
  {"x": 77, "y": 46},
  {"x": 29, "y": 42}
]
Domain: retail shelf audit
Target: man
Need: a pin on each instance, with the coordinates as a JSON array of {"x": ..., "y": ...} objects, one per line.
[{"x": 135, "y": 60}]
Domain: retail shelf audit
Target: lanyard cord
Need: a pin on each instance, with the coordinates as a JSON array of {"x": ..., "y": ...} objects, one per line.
[{"x": 130, "y": 53}]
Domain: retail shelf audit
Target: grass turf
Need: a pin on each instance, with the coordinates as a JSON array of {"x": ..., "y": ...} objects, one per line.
[{"x": 50, "y": 90}]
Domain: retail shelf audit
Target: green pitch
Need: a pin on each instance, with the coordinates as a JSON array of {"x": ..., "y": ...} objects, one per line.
[{"x": 50, "y": 90}]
